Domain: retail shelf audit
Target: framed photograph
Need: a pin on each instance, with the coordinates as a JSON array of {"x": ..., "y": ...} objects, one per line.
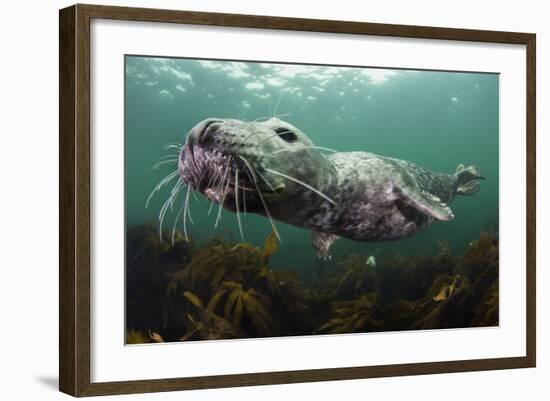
[{"x": 251, "y": 200}]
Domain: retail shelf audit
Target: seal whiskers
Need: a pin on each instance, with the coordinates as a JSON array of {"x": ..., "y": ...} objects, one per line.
[
  {"x": 249, "y": 168},
  {"x": 217, "y": 185},
  {"x": 176, "y": 222},
  {"x": 237, "y": 202},
  {"x": 267, "y": 213},
  {"x": 173, "y": 145},
  {"x": 185, "y": 212},
  {"x": 173, "y": 155},
  {"x": 254, "y": 180},
  {"x": 297, "y": 181},
  {"x": 167, "y": 161},
  {"x": 244, "y": 202},
  {"x": 278, "y": 103},
  {"x": 168, "y": 202},
  {"x": 300, "y": 148},
  {"x": 254, "y": 172},
  {"x": 224, "y": 193},
  {"x": 221, "y": 203},
  {"x": 248, "y": 137},
  {"x": 162, "y": 183},
  {"x": 173, "y": 194},
  {"x": 189, "y": 208},
  {"x": 176, "y": 147},
  {"x": 266, "y": 181}
]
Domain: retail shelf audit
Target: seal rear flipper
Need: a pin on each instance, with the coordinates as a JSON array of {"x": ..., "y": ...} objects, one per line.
[
  {"x": 426, "y": 203},
  {"x": 468, "y": 179},
  {"x": 322, "y": 242}
]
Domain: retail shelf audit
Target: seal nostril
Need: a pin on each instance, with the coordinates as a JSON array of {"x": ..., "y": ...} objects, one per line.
[
  {"x": 209, "y": 123},
  {"x": 208, "y": 129}
]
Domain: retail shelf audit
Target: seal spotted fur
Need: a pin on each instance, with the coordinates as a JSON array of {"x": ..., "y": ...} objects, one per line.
[{"x": 272, "y": 168}]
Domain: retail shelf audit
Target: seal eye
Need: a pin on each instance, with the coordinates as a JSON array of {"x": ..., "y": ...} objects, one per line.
[{"x": 286, "y": 135}]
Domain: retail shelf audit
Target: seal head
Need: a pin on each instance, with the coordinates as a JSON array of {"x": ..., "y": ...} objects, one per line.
[{"x": 269, "y": 164}]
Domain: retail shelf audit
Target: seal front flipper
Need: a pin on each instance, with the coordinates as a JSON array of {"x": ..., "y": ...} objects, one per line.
[
  {"x": 425, "y": 202},
  {"x": 322, "y": 243}
]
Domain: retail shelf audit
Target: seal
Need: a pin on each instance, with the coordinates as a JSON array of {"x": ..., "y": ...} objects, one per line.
[{"x": 272, "y": 168}]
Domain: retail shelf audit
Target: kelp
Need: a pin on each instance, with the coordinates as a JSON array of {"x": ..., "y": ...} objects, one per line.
[
  {"x": 359, "y": 315},
  {"x": 144, "y": 247},
  {"x": 138, "y": 337},
  {"x": 237, "y": 262},
  {"x": 149, "y": 265},
  {"x": 239, "y": 286},
  {"x": 400, "y": 315},
  {"x": 444, "y": 305},
  {"x": 410, "y": 278},
  {"x": 486, "y": 313},
  {"x": 206, "y": 325},
  {"x": 443, "y": 291},
  {"x": 239, "y": 305},
  {"x": 356, "y": 277},
  {"x": 228, "y": 289},
  {"x": 277, "y": 285}
]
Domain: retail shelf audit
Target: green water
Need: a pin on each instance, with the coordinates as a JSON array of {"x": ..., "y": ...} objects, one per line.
[{"x": 435, "y": 119}]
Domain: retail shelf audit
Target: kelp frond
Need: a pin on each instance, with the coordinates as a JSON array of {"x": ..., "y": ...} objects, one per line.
[
  {"x": 353, "y": 316},
  {"x": 239, "y": 304},
  {"x": 206, "y": 325},
  {"x": 136, "y": 337}
]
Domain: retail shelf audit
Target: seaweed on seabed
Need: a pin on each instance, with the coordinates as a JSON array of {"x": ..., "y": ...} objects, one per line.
[
  {"x": 480, "y": 261},
  {"x": 442, "y": 307},
  {"x": 356, "y": 277},
  {"x": 486, "y": 313},
  {"x": 228, "y": 290},
  {"x": 219, "y": 262},
  {"x": 467, "y": 297},
  {"x": 145, "y": 247},
  {"x": 344, "y": 280},
  {"x": 448, "y": 304},
  {"x": 440, "y": 291},
  {"x": 360, "y": 315},
  {"x": 149, "y": 262},
  {"x": 240, "y": 287},
  {"x": 134, "y": 337},
  {"x": 410, "y": 278},
  {"x": 481, "y": 264},
  {"x": 203, "y": 324},
  {"x": 244, "y": 308},
  {"x": 395, "y": 284}
]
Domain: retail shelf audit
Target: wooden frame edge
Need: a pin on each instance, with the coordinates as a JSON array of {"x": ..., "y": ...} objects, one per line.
[
  {"x": 74, "y": 199},
  {"x": 74, "y": 204},
  {"x": 531, "y": 200},
  {"x": 67, "y": 101},
  {"x": 299, "y": 376}
]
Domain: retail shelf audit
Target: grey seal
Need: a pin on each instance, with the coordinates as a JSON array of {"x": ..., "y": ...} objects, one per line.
[{"x": 272, "y": 168}]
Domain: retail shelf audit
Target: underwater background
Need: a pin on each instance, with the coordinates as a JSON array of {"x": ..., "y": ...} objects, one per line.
[{"x": 217, "y": 285}]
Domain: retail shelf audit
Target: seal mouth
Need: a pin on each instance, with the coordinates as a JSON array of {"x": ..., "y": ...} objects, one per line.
[{"x": 216, "y": 172}]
